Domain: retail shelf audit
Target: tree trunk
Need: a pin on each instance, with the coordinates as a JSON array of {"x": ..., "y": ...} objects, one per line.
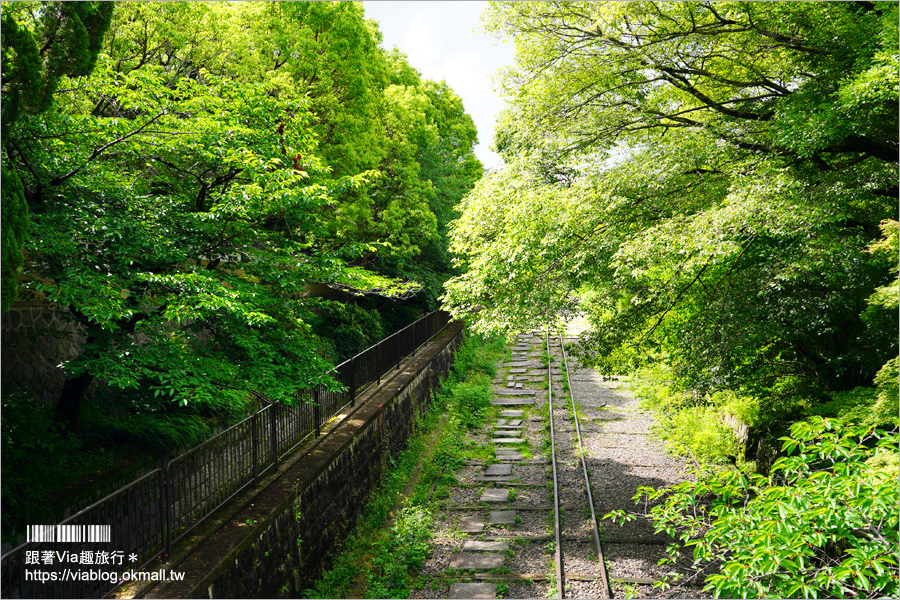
[{"x": 71, "y": 399}]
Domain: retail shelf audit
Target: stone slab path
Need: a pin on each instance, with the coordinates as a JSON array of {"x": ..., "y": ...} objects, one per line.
[{"x": 503, "y": 506}]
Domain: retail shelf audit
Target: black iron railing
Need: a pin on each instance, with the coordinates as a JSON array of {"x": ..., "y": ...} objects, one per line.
[{"x": 150, "y": 514}]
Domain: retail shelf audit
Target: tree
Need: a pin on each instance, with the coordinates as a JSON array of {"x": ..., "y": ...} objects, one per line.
[
  {"x": 176, "y": 222},
  {"x": 712, "y": 172},
  {"x": 438, "y": 140},
  {"x": 42, "y": 43},
  {"x": 220, "y": 159}
]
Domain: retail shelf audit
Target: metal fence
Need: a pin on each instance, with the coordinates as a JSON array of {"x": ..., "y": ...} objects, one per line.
[{"x": 150, "y": 514}]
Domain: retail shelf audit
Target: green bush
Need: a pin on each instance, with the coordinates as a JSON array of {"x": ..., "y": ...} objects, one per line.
[
  {"x": 698, "y": 429},
  {"x": 347, "y": 328},
  {"x": 401, "y": 554},
  {"x": 823, "y": 524},
  {"x": 37, "y": 456},
  {"x": 689, "y": 424},
  {"x": 655, "y": 386},
  {"x": 153, "y": 430}
]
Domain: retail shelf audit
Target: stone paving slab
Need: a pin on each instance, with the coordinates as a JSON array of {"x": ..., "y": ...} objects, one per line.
[
  {"x": 501, "y": 422},
  {"x": 518, "y": 370},
  {"x": 502, "y": 517},
  {"x": 476, "y": 546},
  {"x": 515, "y": 423},
  {"x": 509, "y": 455},
  {"x": 470, "y": 525},
  {"x": 512, "y": 427},
  {"x": 509, "y": 440},
  {"x": 481, "y": 562},
  {"x": 495, "y": 470},
  {"x": 476, "y": 591},
  {"x": 512, "y": 413},
  {"x": 494, "y": 495},
  {"x": 506, "y": 392},
  {"x": 505, "y": 433},
  {"x": 511, "y": 401}
]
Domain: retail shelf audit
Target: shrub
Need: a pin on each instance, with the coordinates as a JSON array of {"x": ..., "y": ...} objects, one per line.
[{"x": 824, "y": 523}]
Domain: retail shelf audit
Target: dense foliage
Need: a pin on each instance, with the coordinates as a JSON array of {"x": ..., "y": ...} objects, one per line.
[
  {"x": 823, "y": 524},
  {"x": 218, "y": 160},
  {"x": 715, "y": 185},
  {"x": 223, "y": 197},
  {"x": 710, "y": 174},
  {"x": 68, "y": 40}
]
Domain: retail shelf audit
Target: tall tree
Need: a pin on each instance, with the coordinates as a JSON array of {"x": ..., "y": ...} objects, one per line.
[
  {"x": 42, "y": 43},
  {"x": 219, "y": 159},
  {"x": 176, "y": 216},
  {"x": 713, "y": 173}
]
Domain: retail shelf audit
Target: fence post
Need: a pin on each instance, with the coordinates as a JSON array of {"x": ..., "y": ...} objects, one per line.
[
  {"x": 353, "y": 381},
  {"x": 316, "y": 409},
  {"x": 170, "y": 513},
  {"x": 254, "y": 445},
  {"x": 273, "y": 420},
  {"x": 397, "y": 348},
  {"x": 378, "y": 361}
]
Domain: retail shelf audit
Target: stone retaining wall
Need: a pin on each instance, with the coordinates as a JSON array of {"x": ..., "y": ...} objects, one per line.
[
  {"x": 317, "y": 502},
  {"x": 37, "y": 339}
]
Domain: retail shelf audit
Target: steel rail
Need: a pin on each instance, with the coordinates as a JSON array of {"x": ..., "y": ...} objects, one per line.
[
  {"x": 560, "y": 572},
  {"x": 605, "y": 590}
]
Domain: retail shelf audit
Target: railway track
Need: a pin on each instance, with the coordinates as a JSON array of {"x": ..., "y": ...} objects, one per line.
[
  {"x": 571, "y": 410},
  {"x": 523, "y": 523}
]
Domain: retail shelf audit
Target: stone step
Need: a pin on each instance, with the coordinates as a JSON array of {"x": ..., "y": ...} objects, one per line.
[
  {"x": 470, "y": 525},
  {"x": 497, "y": 470},
  {"x": 512, "y": 401},
  {"x": 509, "y": 455},
  {"x": 506, "y": 392},
  {"x": 512, "y": 413},
  {"x": 509, "y": 440},
  {"x": 505, "y": 433}
]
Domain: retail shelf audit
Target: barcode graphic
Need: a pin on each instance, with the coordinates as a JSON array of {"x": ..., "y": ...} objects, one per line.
[{"x": 68, "y": 533}]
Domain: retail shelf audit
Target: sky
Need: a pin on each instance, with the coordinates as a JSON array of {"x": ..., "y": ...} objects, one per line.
[{"x": 444, "y": 41}]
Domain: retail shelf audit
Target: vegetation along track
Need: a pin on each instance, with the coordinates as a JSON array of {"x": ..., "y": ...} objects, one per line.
[{"x": 522, "y": 519}]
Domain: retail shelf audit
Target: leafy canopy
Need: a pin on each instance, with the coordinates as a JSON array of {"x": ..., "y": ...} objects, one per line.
[{"x": 711, "y": 172}]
